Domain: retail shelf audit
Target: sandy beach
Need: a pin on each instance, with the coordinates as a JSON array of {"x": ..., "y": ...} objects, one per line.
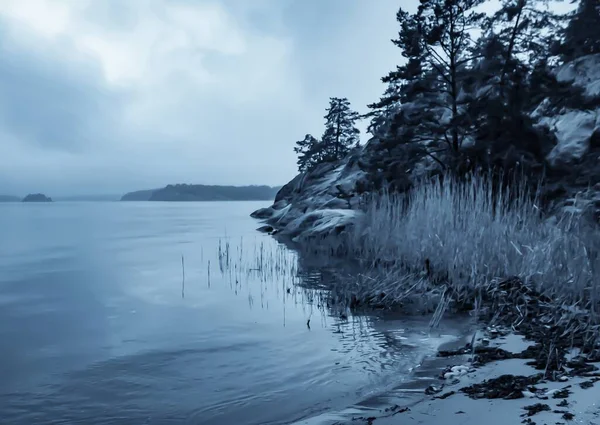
[{"x": 572, "y": 400}]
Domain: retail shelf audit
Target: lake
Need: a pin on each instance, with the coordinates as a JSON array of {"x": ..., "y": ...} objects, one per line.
[{"x": 176, "y": 313}]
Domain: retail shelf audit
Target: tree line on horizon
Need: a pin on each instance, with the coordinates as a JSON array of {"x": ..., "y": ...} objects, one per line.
[{"x": 468, "y": 86}]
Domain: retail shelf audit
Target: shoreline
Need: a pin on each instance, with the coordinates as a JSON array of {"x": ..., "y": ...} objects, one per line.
[
  {"x": 405, "y": 395},
  {"x": 545, "y": 402},
  {"x": 458, "y": 246},
  {"x": 515, "y": 379},
  {"x": 452, "y": 390},
  {"x": 508, "y": 380},
  {"x": 512, "y": 239}
]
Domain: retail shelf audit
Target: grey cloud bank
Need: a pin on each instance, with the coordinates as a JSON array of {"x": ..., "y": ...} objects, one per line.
[{"x": 108, "y": 97}]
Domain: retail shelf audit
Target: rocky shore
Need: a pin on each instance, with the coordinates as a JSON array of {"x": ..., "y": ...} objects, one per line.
[{"x": 551, "y": 379}]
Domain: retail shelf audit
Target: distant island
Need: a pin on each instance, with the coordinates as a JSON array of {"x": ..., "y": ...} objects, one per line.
[
  {"x": 199, "y": 192},
  {"x": 9, "y": 198},
  {"x": 37, "y": 197}
]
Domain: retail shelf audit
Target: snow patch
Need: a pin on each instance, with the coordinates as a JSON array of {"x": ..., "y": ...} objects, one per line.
[
  {"x": 541, "y": 112},
  {"x": 319, "y": 223},
  {"x": 487, "y": 89},
  {"x": 331, "y": 219},
  {"x": 573, "y": 131},
  {"x": 328, "y": 180},
  {"x": 278, "y": 215},
  {"x": 583, "y": 72}
]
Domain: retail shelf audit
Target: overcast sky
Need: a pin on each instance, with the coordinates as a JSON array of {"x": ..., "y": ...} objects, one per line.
[{"x": 107, "y": 96}]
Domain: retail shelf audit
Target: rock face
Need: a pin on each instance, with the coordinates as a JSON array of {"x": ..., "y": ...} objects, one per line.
[
  {"x": 574, "y": 129},
  {"x": 37, "y": 197},
  {"x": 574, "y": 161},
  {"x": 320, "y": 202}
]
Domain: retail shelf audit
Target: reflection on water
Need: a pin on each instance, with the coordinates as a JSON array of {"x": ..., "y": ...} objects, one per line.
[{"x": 121, "y": 313}]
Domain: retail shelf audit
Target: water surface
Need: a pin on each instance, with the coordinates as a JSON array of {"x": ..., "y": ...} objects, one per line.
[{"x": 99, "y": 326}]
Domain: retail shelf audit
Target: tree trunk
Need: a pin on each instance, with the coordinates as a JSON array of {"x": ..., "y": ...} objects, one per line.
[
  {"x": 337, "y": 136},
  {"x": 511, "y": 44},
  {"x": 454, "y": 85}
]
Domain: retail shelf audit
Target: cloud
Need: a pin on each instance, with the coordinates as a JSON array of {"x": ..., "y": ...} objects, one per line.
[
  {"x": 52, "y": 104},
  {"x": 116, "y": 95}
]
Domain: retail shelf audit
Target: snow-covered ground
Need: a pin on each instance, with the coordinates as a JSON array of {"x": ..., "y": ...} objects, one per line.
[{"x": 459, "y": 409}]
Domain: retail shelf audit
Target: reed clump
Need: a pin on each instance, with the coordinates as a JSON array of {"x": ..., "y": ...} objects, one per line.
[{"x": 456, "y": 242}]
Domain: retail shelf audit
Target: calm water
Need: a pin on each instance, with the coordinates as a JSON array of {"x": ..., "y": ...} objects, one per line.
[{"x": 97, "y": 326}]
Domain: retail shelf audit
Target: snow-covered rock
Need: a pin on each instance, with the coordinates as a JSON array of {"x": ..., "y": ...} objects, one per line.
[
  {"x": 575, "y": 158},
  {"x": 319, "y": 202},
  {"x": 584, "y": 72},
  {"x": 573, "y": 131},
  {"x": 456, "y": 372},
  {"x": 573, "y": 128},
  {"x": 320, "y": 223}
]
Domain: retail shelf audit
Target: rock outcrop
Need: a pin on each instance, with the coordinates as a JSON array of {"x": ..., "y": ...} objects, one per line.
[
  {"x": 326, "y": 199},
  {"x": 574, "y": 160},
  {"x": 320, "y": 202}
]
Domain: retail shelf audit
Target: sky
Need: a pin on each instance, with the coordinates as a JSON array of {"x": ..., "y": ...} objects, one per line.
[{"x": 109, "y": 96}]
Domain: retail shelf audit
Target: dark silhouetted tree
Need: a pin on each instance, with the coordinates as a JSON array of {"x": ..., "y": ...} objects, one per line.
[
  {"x": 428, "y": 106},
  {"x": 308, "y": 153},
  {"x": 582, "y": 34},
  {"x": 526, "y": 30},
  {"x": 445, "y": 28},
  {"x": 340, "y": 133},
  {"x": 387, "y": 106}
]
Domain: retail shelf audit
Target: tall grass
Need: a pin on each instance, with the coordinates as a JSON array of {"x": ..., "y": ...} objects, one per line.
[{"x": 467, "y": 235}]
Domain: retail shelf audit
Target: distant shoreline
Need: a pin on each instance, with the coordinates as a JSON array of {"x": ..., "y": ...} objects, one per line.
[
  {"x": 172, "y": 193},
  {"x": 110, "y": 201},
  {"x": 203, "y": 193}
]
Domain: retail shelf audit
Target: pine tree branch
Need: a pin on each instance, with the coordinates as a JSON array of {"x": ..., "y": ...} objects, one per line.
[
  {"x": 469, "y": 59},
  {"x": 437, "y": 56},
  {"x": 444, "y": 166},
  {"x": 441, "y": 72},
  {"x": 448, "y": 141}
]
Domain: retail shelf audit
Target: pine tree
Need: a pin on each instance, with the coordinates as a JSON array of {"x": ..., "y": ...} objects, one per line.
[
  {"x": 386, "y": 107},
  {"x": 527, "y": 29},
  {"x": 445, "y": 29},
  {"x": 582, "y": 34},
  {"x": 406, "y": 81},
  {"x": 308, "y": 150},
  {"x": 340, "y": 133},
  {"x": 508, "y": 79},
  {"x": 438, "y": 49}
]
